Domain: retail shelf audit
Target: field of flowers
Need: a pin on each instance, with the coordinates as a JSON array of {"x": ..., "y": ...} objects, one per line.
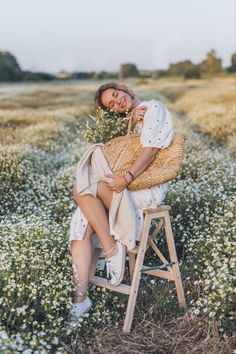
[
  {"x": 40, "y": 144},
  {"x": 210, "y": 104}
]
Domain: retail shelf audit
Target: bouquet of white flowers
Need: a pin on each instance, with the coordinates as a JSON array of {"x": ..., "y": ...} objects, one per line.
[{"x": 106, "y": 125}]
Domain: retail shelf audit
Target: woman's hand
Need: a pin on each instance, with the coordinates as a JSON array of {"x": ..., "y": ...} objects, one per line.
[
  {"x": 138, "y": 114},
  {"x": 117, "y": 183}
]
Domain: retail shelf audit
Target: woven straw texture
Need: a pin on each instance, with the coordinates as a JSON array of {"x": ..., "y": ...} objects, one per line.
[{"x": 121, "y": 153}]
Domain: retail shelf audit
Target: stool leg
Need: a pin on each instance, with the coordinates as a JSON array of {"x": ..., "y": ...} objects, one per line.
[
  {"x": 137, "y": 275},
  {"x": 131, "y": 265},
  {"x": 173, "y": 257}
]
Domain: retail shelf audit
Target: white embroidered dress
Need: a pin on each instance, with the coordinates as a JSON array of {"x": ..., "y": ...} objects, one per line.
[{"x": 156, "y": 131}]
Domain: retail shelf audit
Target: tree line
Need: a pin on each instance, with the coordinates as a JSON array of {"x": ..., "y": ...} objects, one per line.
[{"x": 10, "y": 70}]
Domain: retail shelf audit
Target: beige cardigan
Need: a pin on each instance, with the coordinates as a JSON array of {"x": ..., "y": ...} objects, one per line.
[{"x": 91, "y": 169}]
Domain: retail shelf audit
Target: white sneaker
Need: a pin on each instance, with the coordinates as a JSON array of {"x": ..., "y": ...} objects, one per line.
[
  {"x": 79, "y": 309},
  {"x": 116, "y": 265}
]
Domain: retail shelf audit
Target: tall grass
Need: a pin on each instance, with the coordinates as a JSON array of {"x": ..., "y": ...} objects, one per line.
[{"x": 210, "y": 104}]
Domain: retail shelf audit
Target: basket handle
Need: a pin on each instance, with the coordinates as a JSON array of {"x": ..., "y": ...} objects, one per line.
[{"x": 130, "y": 123}]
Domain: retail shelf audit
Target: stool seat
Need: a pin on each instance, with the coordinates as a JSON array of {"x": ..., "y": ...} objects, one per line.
[
  {"x": 134, "y": 250},
  {"x": 168, "y": 270},
  {"x": 154, "y": 210}
]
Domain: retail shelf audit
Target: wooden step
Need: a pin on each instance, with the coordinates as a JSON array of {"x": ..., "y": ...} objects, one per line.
[
  {"x": 160, "y": 267},
  {"x": 155, "y": 210},
  {"x": 103, "y": 282},
  {"x": 160, "y": 273}
]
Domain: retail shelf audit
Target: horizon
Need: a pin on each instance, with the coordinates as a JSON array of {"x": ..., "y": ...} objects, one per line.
[
  {"x": 83, "y": 36},
  {"x": 116, "y": 71}
]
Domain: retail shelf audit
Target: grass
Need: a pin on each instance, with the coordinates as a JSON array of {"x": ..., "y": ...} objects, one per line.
[
  {"x": 209, "y": 104},
  {"x": 41, "y": 144}
]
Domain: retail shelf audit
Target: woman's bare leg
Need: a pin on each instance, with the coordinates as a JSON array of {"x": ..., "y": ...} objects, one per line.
[
  {"x": 81, "y": 251},
  {"x": 94, "y": 209},
  {"x": 104, "y": 194}
]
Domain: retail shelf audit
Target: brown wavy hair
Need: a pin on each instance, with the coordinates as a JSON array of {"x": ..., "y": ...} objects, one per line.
[{"x": 114, "y": 85}]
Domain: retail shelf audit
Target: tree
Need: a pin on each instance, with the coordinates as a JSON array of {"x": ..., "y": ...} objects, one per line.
[
  {"x": 212, "y": 64},
  {"x": 232, "y": 68},
  {"x": 193, "y": 72},
  {"x": 9, "y": 68},
  {"x": 103, "y": 75},
  {"x": 128, "y": 70},
  {"x": 36, "y": 76},
  {"x": 233, "y": 60},
  {"x": 184, "y": 68}
]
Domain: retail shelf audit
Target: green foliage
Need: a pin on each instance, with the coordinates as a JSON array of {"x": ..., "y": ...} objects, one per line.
[
  {"x": 104, "y": 75},
  {"x": 233, "y": 60},
  {"x": 203, "y": 202},
  {"x": 193, "y": 72},
  {"x": 105, "y": 126},
  {"x": 37, "y": 250},
  {"x": 212, "y": 64},
  {"x": 11, "y": 71},
  {"x": 36, "y": 76},
  {"x": 180, "y": 69},
  {"x": 9, "y": 68},
  {"x": 185, "y": 68},
  {"x": 232, "y": 68},
  {"x": 128, "y": 70},
  {"x": 83, "y": 75},
  {"x": 35, "y": 268},
  {"x": 23, "y": 172}
]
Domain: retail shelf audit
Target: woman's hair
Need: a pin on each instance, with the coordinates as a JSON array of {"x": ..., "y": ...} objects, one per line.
[{"x": 114, "y": 85}]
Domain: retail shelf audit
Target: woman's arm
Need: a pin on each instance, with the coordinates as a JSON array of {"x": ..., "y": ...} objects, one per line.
[
  {"x": 157, "y": 133},
  {"x": 143, "y": 161},
  {"x": 118, "y": 183}
]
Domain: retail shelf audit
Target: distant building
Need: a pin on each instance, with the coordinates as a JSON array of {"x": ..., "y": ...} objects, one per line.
[{"x": 63, "y": 75}]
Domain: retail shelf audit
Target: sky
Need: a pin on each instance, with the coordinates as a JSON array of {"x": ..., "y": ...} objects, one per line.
[{"x": 96, "y": 35}]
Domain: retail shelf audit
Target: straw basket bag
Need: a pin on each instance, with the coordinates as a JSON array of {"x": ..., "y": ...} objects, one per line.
[{"x": 123, "y": 151}]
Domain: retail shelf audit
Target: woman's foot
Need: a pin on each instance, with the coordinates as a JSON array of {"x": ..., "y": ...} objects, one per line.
[
  {"x": 116, "y": 265},
  {"x": 79, "y": 309}
]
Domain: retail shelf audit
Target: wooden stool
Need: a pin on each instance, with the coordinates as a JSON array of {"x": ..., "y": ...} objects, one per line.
[{"x": 169, "y": 269}]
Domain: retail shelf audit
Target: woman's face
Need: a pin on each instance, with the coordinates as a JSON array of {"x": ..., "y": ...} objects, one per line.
[{"x": 115, "y": 99}]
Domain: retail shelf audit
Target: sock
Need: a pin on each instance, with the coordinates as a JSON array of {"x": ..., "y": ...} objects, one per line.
[{"x": 82, "y": 305}]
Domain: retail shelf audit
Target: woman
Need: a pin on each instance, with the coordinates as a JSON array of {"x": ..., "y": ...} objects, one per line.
[{"x": 98, "y": 192}]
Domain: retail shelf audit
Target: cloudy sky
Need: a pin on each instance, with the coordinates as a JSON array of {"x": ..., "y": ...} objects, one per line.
[{"x": 86, "y": 35}]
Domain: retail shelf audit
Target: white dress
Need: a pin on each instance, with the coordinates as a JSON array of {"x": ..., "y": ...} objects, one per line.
[{"x": 156, "y": 131}]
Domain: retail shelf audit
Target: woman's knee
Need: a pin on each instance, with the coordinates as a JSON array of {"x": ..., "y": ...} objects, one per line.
[
  {"x": 77, "y": 197},
  {"x": 103, "y": 187},
  {"x": 104, "y": 194}
]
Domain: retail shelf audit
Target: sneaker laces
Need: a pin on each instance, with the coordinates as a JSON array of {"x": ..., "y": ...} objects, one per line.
[
  {"x": 111, "y": 269},
  {"x": 110, "y": 266}
]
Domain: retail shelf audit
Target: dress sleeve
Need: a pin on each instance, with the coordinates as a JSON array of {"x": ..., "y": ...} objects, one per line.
[{"x": 157, "y": 128}]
